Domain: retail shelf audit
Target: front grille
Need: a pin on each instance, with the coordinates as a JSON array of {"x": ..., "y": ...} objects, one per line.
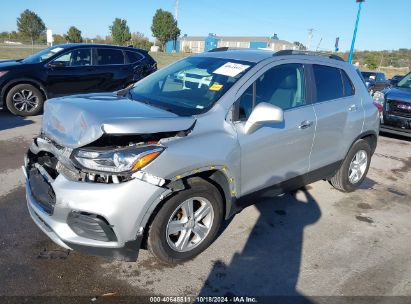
[
  {"x": 399, "y": 108},
  {"x": 41, "y": 190},
  {"x": 91, "y": 226}
]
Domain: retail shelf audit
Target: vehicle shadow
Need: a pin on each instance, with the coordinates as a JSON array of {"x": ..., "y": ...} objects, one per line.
[
  {"x": 395, "y": 136},
  {"x": 10, "y": 121},
  {"x": 270, "y": 261}
]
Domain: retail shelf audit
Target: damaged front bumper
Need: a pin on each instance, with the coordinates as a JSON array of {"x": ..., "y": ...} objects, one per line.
[{"x": 95, "y": 218}]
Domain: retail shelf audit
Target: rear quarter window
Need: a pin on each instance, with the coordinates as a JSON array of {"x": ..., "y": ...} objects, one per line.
[
  {"x": 349, "y": 89},
  {"x": 133, "y": 56},
  {"x": 328, "y": 83}
]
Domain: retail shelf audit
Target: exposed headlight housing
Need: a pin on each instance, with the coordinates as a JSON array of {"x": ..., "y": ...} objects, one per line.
[{"x": 119, "y": 161}]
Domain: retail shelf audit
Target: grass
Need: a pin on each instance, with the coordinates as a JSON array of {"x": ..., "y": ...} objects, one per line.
[
  {"x": 15, "y": 53},
  {"x": 162, "y": 59}
]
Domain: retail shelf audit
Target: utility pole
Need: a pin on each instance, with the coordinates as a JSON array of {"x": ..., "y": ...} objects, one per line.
[
  {"x": 310, "y": 38},
  {"x": 319, "y": 43},
  {"x": 355, "y": 30},
  {"x": 176, "y": 11},
  {"x": 176, "y": 18}
]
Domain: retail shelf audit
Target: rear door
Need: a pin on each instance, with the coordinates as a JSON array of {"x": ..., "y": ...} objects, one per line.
[
  {"x": 275, "y": 152},
  {"x": 339, "y": 113},
  {"x": 112, "y": 70}
]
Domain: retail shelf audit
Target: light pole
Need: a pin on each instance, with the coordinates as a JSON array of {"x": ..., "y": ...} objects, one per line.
[{"x": 355, "y": 30}]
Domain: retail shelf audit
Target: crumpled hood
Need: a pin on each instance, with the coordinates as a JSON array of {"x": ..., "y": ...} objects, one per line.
[
  {"x": 78, "y": 120},
  {"x": 398, "y": 94}
]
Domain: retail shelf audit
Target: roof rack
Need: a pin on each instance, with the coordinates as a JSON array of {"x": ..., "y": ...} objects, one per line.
[
  {"x": 310, "y": 53},
  {"x": 223, "y": 49}
]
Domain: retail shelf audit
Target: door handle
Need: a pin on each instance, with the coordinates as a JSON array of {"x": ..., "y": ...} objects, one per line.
[
  {"x": 352, "y": 108},
  {"x": 305, "y": 124}
]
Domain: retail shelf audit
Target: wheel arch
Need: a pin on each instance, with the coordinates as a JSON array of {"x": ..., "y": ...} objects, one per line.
[
  {"x": 216, "y": 177},
  {"x": 18, "y": 81}
]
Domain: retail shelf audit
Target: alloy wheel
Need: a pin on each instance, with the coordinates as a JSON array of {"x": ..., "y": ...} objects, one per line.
[
  {"x": 25, "y": 101},
  {"x": 358, "y": 166},
  {"x": 189, "y": 224}
]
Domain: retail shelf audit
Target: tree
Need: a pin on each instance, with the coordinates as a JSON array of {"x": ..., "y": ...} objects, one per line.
[
  {"x": 164, "y": 27},
  {"x": 58, "y": 39},
  {"x": 74, "y": 35},
  {"x": 30, "y": 25},
  {"x": 120, "y": 31},
  {"x": 300, "y": 45},
  {"x": 371, "y": 60},
  {"x": 140, "y": 41}
]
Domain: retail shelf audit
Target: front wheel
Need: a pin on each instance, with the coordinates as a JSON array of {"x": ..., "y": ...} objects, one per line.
[
  {"x": 354, "y": 168},
  {"x": 24, "y": 100},
  {"x": 187, "y": 223}
]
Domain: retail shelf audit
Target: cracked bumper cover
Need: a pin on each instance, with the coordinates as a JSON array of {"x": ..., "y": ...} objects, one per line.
[{"x": 124, "y": 206}]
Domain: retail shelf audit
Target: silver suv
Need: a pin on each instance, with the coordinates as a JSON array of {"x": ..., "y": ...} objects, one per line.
[{"x": 161, "y": 164}]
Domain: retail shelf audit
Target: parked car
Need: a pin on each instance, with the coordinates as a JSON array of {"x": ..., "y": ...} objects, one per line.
[
  {"x": 162, "y": 164},
  {"x": 375, "y": 81},
  {"x": 69, "y": 69},
  {"x": 395, "y": 79},
  {"x": 396, "y": 104}
]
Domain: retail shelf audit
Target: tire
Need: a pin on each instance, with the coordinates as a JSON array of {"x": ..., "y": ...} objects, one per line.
[
  {"x": 169, "y": 248},
  {"x": 25, "y": 100},
  {"x": 341, "y": 180}
]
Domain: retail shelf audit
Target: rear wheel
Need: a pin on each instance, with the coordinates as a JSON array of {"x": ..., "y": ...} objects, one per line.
[
  {"x": 187, "y": 223},
  {"x": 24, "y": 100},
  {"x": 354, "y": 167}
]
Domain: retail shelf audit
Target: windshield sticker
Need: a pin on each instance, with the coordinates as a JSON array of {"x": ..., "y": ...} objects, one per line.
[
  {"x": 56, "y": 50},
  {"x": 231, "y": 69},
  {"x": 216, "y": 87}
]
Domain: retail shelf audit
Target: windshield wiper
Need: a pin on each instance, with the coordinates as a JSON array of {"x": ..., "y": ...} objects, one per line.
[{"x": 126, "y": 91}]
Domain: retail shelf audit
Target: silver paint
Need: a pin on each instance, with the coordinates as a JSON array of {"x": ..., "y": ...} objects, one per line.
[{"x": 271, "y": 154}]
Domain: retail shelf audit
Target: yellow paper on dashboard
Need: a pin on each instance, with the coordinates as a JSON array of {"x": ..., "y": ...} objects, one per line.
[{"x": 216, "y": 87}]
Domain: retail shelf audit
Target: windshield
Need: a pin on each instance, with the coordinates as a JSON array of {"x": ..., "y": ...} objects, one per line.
[
  {"x": 190, "y": 86},
  {"x": 405, "y": 82},
  {"x": 43, "y": 55}
]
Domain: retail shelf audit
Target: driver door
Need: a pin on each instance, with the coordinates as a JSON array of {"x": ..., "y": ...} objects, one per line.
[
  {"x": 278, "y": 152},
  {"x": 74, "y": 73}
]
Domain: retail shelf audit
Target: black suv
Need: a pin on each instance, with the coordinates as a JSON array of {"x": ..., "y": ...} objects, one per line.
[
  {"x": 375, "y": 81},
  {"x": 396, "y": 103},
  {"x": 69, "y": 69}
]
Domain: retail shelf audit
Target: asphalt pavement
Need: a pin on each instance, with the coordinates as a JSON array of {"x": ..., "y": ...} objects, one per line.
[{"x": 314, "y": 242}]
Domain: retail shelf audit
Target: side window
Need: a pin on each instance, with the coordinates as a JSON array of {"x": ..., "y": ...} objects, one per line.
[
  {"x": 348, "y": 86},
  {"x": 133, "y": 56},
  {"x": 328, "y": 83},
  {"x": 109, "y": 56},
  {"x": 80, "y": 57},
  {"x": 282, "y": 86}
]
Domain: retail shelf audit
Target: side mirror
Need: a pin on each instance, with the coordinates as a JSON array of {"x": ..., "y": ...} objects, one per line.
[
  {"x": 263, "y": 113},
  {"x": 57, "y": 64}
]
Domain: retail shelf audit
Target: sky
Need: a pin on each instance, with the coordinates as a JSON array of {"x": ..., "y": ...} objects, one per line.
[{"x": 384, "y": 25}]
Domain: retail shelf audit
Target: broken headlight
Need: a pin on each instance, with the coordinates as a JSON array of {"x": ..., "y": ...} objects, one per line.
[
  {"x": 379, "y": 97},
  {"x": 122, "y": 160}
]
